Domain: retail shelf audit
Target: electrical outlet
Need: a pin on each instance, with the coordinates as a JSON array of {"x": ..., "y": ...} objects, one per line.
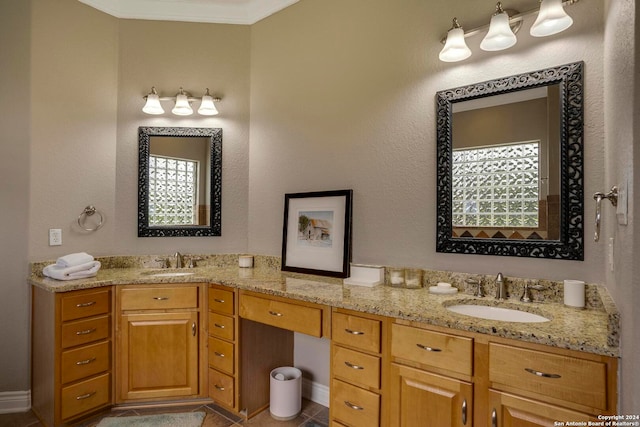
[{"x": 55, "y": 237}]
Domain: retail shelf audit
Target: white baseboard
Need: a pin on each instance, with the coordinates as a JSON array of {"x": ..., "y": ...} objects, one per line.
[
  {"x": 15, "y": 401},
  {"x": 315, "y": 392}
]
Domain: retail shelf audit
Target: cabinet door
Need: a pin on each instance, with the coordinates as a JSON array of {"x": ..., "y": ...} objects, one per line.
[
  {"x": 507, "y": 410},
  {"x": 159, "y": 354},
  {"x": 423, "y": 399}
]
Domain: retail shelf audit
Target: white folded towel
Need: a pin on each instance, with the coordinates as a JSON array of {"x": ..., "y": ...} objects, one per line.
[
  {"x": 72, "y": 260},
  {"x": 81, "y": 271}
]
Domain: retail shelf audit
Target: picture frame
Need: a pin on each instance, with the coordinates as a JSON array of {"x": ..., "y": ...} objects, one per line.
[{"x": 316, "y": 237}]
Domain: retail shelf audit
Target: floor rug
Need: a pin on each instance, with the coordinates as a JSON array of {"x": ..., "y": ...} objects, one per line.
[{"x": 185, "y": 419}]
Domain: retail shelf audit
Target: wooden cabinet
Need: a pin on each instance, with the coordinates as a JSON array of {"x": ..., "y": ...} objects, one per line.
[
  {"x": 159, "y": 342},
  {"x": 72, "y": 363},
  {"x": 431, "y": 378},
  {"x": 357, "y": 369}
]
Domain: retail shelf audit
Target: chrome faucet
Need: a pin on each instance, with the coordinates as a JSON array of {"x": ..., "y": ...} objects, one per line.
[
  {"x": 500, "y": 290},
  {"x": 478, "y": 284},
  {"x": 178, "y": 259},
  {"x": 526, "y": 295}
]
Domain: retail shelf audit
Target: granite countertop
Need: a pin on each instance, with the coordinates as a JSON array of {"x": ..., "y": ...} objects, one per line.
[{"x": 593, "y": 330}]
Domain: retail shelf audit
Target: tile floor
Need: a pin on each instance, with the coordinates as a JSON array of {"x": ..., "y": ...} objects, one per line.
[{"x": 312, "y": 415}]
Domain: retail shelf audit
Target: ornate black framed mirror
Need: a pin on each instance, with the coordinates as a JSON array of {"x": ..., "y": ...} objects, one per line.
[
  {"x": 179, "y": 181},
  {"x": 510, "y": 166}
]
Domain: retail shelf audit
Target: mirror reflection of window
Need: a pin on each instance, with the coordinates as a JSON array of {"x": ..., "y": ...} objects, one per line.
[
  {"x": 506, "y": 171},
  {"x": 173, "y": 191}
]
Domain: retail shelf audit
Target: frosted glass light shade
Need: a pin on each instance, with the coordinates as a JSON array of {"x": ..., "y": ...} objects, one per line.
[
  {"x": 455, "y": 49},
  {"x": 207, "y": 107},
  {"x": 182, "y": 107},
  {"x": 500, "y": 35},
  {"x": 152, "y": 106},
  {"x": 552, "y": 19}
]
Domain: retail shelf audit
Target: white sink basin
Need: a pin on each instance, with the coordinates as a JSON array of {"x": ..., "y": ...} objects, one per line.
[
  {"x": 174, "y": 274},
  {"x": 497, "y": 313}
]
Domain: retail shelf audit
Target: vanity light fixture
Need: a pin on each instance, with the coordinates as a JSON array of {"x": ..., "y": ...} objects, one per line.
[
  {"x": 182, "y": 102},
  {"x": 455, "y": 49},
  {"x": 500, "y": 35},
  {"x": 503, "y": 27}
]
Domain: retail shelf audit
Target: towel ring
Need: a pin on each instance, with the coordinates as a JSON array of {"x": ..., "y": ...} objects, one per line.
[{"x": 89, "y": 211}]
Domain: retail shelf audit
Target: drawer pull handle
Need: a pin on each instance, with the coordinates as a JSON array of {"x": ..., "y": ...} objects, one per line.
[
  {"x": 85, "y": 396},
  {"x": 218, "y": 387},
  {"x": 86, "y": 331},
  {"x": 218, "y": 354},
  {"x": 427, "y": 348},
  {"x": 352, "y": 406},
  {"x": 160, "y": 298},
  {"x": 352, "y": 332},
  {"x": 542, "y": 374},
  {"x": 85, "y": 362},
  {"x": 221, "y": 301},
  {"x": 218, "y": 325},
  {"x": 194, "y": 329},
  {"x": 352, "y": 366},
  {"x": 464, "y": 412},
  {"x": 275, "y": 313},
  {"x": 86, "y": 304},
  {"x": 494, "y": 418}
]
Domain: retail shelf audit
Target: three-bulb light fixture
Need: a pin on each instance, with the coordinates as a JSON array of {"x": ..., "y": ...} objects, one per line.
[
  {"x": 551, "y": 19},
  {"x": 182, "y": 105}
]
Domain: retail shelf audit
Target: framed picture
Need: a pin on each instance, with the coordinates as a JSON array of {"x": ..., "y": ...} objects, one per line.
[{"x": 317, "y": 233}]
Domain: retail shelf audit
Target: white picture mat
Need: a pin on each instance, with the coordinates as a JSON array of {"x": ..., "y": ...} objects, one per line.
[{"x": 317, "y": 258}]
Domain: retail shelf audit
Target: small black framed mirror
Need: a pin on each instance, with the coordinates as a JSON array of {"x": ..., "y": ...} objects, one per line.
[
  {"x": 510, "y": 166},
  {"x": 179, "y": 181}
]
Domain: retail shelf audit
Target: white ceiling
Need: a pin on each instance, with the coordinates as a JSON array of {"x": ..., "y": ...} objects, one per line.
[{"x": 244, "y": 12}]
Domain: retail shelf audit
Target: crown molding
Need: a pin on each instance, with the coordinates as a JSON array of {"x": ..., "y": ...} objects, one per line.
[{"x": 242, "y": 12}]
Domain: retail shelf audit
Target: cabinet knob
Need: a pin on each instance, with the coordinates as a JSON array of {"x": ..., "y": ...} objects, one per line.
[
  {"x": 494, "y": 418},
  {"x": 464, "y": 412}
]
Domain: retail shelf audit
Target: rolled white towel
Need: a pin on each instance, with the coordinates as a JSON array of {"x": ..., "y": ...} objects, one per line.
[
  {"x": 72, "y": 260},
  {"x": 81, "y": 271}
]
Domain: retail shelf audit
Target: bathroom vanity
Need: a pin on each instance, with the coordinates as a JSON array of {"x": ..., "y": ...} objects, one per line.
[{"x": 398, "y": 357}]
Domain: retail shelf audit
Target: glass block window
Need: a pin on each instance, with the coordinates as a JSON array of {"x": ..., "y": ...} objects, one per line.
[
  {"x": 496, "y": 186},
  {"x": 173, "y": 197}
]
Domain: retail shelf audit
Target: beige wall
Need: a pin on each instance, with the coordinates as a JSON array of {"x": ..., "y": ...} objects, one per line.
[
  {"x": 342, "y": 96},
  {"x": 14, "y": 194}
]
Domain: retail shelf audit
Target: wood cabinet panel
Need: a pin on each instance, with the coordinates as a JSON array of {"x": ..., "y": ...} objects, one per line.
[
  {"x": 221, "y": 355},
  {"x": 221, "y": 301},
  {"x": 85, "y": 304},
  {"x": 85, "y": 361},
  {"x": 222, "y": 326},
  {"x": 152, "y": 297},
  {"x": 423, "y": 399},
  {"x": 567, "y": 378},
  {"x": 356, "y": 367},
  {"x": 85, "y": 331},
  {"x": 444, "y": 351},
  {"x": 290, "y": 316},
  {"x": 85, "y": 396},
  {"x": 353, "y": 405},
  {"x": 221, "y": 388},
  {"x": 507, "y": 410},
  {"x": 355, "y": 331}
]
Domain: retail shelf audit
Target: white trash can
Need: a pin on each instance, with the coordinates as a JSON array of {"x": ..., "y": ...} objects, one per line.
[{"x": 285, "y": 393}]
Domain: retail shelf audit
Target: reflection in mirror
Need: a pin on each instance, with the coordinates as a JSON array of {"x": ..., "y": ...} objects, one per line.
[
  {"x": 179, "y": 182},
  {"x": 510, "y": 166}
]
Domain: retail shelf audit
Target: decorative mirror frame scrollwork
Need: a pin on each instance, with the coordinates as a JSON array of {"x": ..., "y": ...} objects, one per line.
[
  {"x": 215, "y": 223},
  {"x": 570, "y": 246}
]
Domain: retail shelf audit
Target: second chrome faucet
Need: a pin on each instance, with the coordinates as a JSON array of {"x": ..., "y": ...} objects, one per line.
[{"x": 500, "y": 288}]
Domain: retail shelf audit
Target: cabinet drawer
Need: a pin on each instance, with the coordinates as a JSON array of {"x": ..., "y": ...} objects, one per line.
[
  {"x": 221, "y": 301},
  {"x": 85, "y": 304},
  {"x": 85, "y": 361},
  {"x": 85, "y": 331},
  {"x": 85, "y": 396},
  {"x": 562, "y": 377},
  {"x": 435, "y": 349},
  {"x": 354, "y": 406},
  {"x": 221, "y": 355},
  {"x": 221, "y": 326},
  {"x": 157, "y": 298},
  {"x": 294, "y": 317},
  {"x": 356, "y": 332},
  {"x": 355, "y": 367},
  {"x": 221, "y": 388}
]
